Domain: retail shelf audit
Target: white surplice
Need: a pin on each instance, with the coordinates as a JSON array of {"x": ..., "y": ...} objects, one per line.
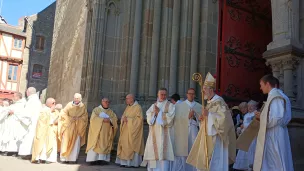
[
  {"x": 243, "y": 158},
  {"x": 13, "y": 129},
  {"x": 3, "y": 116},
  {"x": 29, "y": 120},
  {"x": 179, "y": 163},
  {"x": 163, "y": 144},
  {"x": 53, "y": 156},
  {"x": 277, "y": 151}
]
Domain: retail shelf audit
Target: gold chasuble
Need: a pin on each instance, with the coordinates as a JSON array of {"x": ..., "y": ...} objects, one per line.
[
  {"x": 73, "y": 123},
  {"x": 264, "y": 117},
  {"x": 131, "y": 137},
  {"x": 101, "y": 134},
  {"x": 224, "y": 127},
  {"x": 46, "y": 133}
]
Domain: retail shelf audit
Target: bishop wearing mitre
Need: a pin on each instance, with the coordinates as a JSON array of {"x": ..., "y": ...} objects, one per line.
[
  {"x": 103, "y": 128},
  {"x": 216, "y": 150},
  {"x": 130, "y": 147}
]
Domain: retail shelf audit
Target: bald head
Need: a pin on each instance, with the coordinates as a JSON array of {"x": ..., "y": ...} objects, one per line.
[
  {"x": 30, "y": 91},
  {"x": 130, "y": 99},
  {"x": 50, "y": 102},
  {"x": 58, "y": 106}
]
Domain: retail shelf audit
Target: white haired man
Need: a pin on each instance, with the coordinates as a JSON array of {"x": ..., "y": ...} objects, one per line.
[
  {"x": 221, "y": 141},
  {"x": 72, "y": 125}
]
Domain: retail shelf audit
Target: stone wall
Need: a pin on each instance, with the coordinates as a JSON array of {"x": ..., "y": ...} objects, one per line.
[
  {"x": 40, "y": 24},
  {"x": 43, "y": 24},
  {"x": 139, "y": 46},
  {"x": 67, "y": 50}
]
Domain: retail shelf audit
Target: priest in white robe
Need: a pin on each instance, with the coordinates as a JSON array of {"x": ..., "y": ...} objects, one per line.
[
  {"x": 186, "y": 127},
  {"x": 159, "y": 151},
  {"x": 273, "y": 150},
  {"x": 252, "y": 108},
  {"x": 221, "y": 141},
  {"x": 244, "y": 159},
  {"x": 3, "y": 115},
  {"x": 29, "y": 120},
  {"x": 287, "y": 116},
  {"x": 13, "y": 130}
]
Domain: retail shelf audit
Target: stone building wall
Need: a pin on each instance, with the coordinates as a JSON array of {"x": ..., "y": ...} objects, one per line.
[
  {"x": 139, "y": 46},
  {"x": 40, "y": 24},
  {"x": 67, "y": 50}
]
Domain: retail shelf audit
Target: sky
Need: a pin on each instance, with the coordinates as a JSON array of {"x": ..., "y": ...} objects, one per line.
[{"x": 12, "y": 10}]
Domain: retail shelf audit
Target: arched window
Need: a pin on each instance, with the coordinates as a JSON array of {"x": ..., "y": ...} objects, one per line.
[{"x": 37, "y": 71}]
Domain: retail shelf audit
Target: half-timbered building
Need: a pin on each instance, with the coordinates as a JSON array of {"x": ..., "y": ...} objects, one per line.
[{"x": 12, "y": 45}]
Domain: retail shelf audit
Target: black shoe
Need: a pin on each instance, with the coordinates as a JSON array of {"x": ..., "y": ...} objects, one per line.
[
  {"x": 64, "y": 162},
  {"x": 72, "y": 162},
  {"x": 104, "y": 162},
  {"x": 122, "y": 166},
  {"x": 93, "y": 163}
]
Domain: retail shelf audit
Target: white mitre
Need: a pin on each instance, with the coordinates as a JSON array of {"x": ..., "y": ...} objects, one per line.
[{"x": 210, "y": 81}]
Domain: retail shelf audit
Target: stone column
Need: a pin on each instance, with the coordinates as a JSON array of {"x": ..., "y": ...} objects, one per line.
[
  {"x": 155, "y": 48},
  {"x": 275, "y": 66},
  {"x": 285, "y": 23},
  {"x": 136, "y": 47},
  {"x": 93, "y": 44},
  {"x": 174, "y": 47},
  {"x": 288, "y": 67},
  {"x": 195, "y": 38}
]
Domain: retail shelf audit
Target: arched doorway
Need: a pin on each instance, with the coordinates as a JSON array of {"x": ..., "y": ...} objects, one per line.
[{"x": 245, "y": 30}]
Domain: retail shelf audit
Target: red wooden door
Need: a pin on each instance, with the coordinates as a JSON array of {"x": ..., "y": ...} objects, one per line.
[{"x": 244, "y": 33}]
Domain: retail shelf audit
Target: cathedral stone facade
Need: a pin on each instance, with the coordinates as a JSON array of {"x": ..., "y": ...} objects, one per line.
[
  {"x": 112, "y": 48},
  {"x": 109, "y": 48}
]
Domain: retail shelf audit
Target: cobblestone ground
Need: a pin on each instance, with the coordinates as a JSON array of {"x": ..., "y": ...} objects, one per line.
[{"x": 8, "y": 163}]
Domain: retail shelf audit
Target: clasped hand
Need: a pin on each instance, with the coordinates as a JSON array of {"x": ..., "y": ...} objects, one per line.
[
  {"x": 204, "y": 114},
  {"x": 106, "y": 120},
  {"x": 191, "y": 114},
  {"x": 156, "y": 110},
  {"x": 124, "y": 119}
]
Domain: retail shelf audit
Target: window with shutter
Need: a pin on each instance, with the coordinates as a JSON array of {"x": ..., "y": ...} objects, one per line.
[{"x": 40, "y": 40}]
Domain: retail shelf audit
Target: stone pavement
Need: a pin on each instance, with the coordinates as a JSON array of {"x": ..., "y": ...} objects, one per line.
[{"x": 8, "y": 163}]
